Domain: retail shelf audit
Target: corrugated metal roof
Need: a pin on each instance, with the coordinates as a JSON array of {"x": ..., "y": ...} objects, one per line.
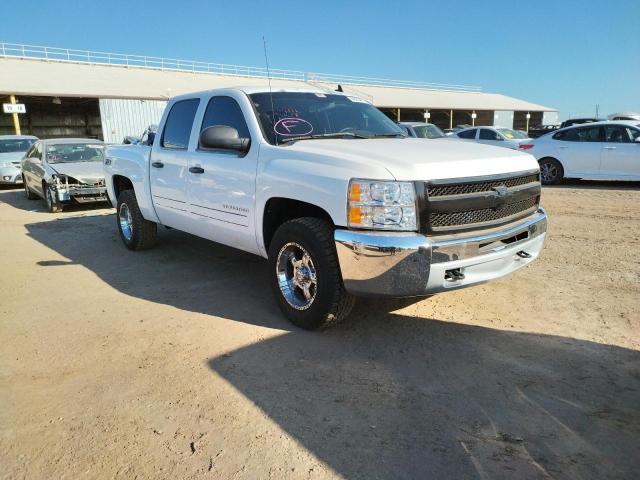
[{"x": 37, "y": 77}]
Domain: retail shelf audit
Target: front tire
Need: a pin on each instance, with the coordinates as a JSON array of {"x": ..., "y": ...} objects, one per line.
[
  {"x": 305, "y": 274},
  {"x": 551, "y": 171},
  {"x": 136, "y": 232},
  {"x": 53, "y": 206}
]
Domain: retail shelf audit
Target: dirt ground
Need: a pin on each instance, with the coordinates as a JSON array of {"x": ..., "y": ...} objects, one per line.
[{"x": 176, "y": 363}]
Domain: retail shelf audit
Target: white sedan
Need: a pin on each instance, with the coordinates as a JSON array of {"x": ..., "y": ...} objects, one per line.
[
  {"x": 596, "y": 151},
  {"x": 498, "y": 136}
]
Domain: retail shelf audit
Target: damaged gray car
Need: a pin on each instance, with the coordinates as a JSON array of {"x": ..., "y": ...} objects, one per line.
[{"x": 63, "y": 171}]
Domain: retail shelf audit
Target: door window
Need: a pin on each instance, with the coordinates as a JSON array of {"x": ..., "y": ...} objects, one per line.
[
  {"x": 38, "y": 151},
  {"x": 177, "y": 129},
  {"x": 582, "y": 134},
  {"x": 617, "y": 134},
  {"x": 486, "y": 134},
  {"x": 468, "y": 133},
  {"x": 225, "y": 111}
]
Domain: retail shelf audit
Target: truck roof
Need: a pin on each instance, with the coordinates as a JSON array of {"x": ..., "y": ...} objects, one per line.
[{"x": 261, "y": 89}]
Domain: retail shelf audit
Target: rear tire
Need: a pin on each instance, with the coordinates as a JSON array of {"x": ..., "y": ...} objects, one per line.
[
  {"x": 53, "y": 206},
  {"x": 305, "y": 274},
  {"x": 27, "y": 191},
  {"x": 136, "y": 232},
  {"x": 551, "y": 171}
]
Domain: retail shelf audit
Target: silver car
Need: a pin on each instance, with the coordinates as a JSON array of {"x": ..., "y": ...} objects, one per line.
[
  {"x": 65, "y": 170},
  {"x": 498, "y": 136},
  {"x": 12, "y": 149}
]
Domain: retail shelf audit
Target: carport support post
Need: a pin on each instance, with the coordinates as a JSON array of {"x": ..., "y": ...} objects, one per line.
[
  {"x": 16, "y": 120},
  {"x": 528, "y": 118},
  {"x": 450, "y": 119},
  {"x": 398, "y": 115}
]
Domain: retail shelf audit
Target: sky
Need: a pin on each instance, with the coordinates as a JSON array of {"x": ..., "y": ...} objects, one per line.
[{"x": 569, "y": 55}]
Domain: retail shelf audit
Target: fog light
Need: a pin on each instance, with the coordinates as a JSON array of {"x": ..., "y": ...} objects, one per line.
[{"x": 6, "y": 178}]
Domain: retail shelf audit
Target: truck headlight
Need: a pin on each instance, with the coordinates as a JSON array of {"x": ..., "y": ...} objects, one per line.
[{"x": 382, "y": 205}]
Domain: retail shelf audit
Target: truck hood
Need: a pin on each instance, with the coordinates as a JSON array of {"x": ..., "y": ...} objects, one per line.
[
  {"x": 85, "y": 172},
  {"x": 416, "y": 159}
]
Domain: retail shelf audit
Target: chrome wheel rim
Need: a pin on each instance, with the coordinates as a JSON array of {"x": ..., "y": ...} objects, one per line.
[
  {"x": 548, "y": 171},
  {"x": 126, "y": 224},
  {"x": 48, "y": 197},
  {"x": 26, "y": 189},
  {"x": 296, "y": 275}
]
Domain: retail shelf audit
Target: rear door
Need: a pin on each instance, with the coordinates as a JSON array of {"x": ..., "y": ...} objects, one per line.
[
  {"x": 469, "y": 134},
  {"x": 621, "y": 153},
  {"x": 221, "y": 183},
  {"x": 579, "y": 150},
  {"x": 168, "y": 170}
]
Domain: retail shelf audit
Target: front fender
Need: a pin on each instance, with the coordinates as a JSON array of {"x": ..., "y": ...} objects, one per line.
[{"x": 322, "y": 182}]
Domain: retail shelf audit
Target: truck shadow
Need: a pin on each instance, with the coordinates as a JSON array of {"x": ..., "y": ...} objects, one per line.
[
  {"x": 387, "y": 395},
  {"x": 395, "y": 397}
]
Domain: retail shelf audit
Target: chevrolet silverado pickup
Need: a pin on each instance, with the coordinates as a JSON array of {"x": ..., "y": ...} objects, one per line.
[{"x": 332, "y": 193}]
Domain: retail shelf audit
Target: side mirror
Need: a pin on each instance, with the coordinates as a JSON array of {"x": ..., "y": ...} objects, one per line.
[
  {"x": 223, "y": 138},
  {"x": 637, "y": 140}
]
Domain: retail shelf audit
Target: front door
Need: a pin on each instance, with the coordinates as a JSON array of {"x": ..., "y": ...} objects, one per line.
[
  {"x": 169, "y": 165},
  {"x": 580, "y": 149},
  {"x": 222, "y": 182}
]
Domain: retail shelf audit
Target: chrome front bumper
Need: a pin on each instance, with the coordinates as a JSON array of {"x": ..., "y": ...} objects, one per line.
[{"x": 408, "y": 264}]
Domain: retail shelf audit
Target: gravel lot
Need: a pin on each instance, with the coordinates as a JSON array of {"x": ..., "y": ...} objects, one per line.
[{"x": 176, "y": 363}]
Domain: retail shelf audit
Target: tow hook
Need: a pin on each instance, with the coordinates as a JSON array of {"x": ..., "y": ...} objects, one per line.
[
  {"x": 523, "y": 254},
  {"x": 453, "y": 275}
]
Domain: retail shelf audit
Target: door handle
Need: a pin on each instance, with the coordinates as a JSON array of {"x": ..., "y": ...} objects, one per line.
[
  {"x": 609, "y": 148},
  {"x": 196, "y": 170},
  {"x": 157, "y": 164},
  {"x": 563, "y": 148}
]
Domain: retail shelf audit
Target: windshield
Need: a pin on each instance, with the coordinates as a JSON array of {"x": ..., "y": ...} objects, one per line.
[
  {"x": 298, "y": 114},
  {"x": 75, "y": 152},
  {"x": 428, "y": 131},
  {"x": 508, "y": 133},
  {"x": 16, "y": 145}
]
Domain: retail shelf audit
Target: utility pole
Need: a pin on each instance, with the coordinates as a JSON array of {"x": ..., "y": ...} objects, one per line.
[
  {"x": 16, "y": 120},
  {"x": 597, "y": 110}
]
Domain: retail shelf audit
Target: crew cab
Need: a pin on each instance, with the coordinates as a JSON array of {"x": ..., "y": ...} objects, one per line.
[{"x": 332, "y": 193}]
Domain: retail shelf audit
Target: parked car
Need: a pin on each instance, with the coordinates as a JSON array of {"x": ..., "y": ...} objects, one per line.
[
  {"x": 539, "y": 130},
  {"x": 422, "y": 130},
  {"x": 333, "y": 193},
  {"x": 457, "y": 128},
  {"x": 497, "y": 136},
  {"x": 579, "y": 121},
  {"x": 65, "y": 170},
  {"x": 12, "y": 149},
  {"x": 597, "y": 151},
  {"x": 625, "y": 116}
]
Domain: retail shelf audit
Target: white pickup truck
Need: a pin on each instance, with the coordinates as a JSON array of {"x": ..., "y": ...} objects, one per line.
[{"x": 333, "y": 193}]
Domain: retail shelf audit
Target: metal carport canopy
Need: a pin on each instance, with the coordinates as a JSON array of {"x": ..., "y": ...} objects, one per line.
[{"x": 52, "y": 78}]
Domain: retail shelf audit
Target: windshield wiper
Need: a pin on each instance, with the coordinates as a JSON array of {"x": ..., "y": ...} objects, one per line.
[
  {"x": 388, "y": 135},
  {"x": 322, "y": 136}
]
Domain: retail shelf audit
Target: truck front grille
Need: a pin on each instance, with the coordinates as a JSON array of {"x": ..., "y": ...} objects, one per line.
[
  {"x": 471, "y": 187},
  {"x": 452, "y": 206}
]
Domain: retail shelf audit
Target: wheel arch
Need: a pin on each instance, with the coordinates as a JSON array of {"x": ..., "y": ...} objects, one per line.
[{"x": 278, "y": 210}]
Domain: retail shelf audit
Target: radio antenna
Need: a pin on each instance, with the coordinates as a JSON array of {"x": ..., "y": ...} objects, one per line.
[{"x": 273, "y": 113}]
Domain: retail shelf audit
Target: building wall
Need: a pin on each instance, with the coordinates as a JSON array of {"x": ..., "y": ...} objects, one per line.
[
  {"x": 121, "y": 118},
  {"x": 503, "y": 118},
  {"x": 550, "y": 118}
]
